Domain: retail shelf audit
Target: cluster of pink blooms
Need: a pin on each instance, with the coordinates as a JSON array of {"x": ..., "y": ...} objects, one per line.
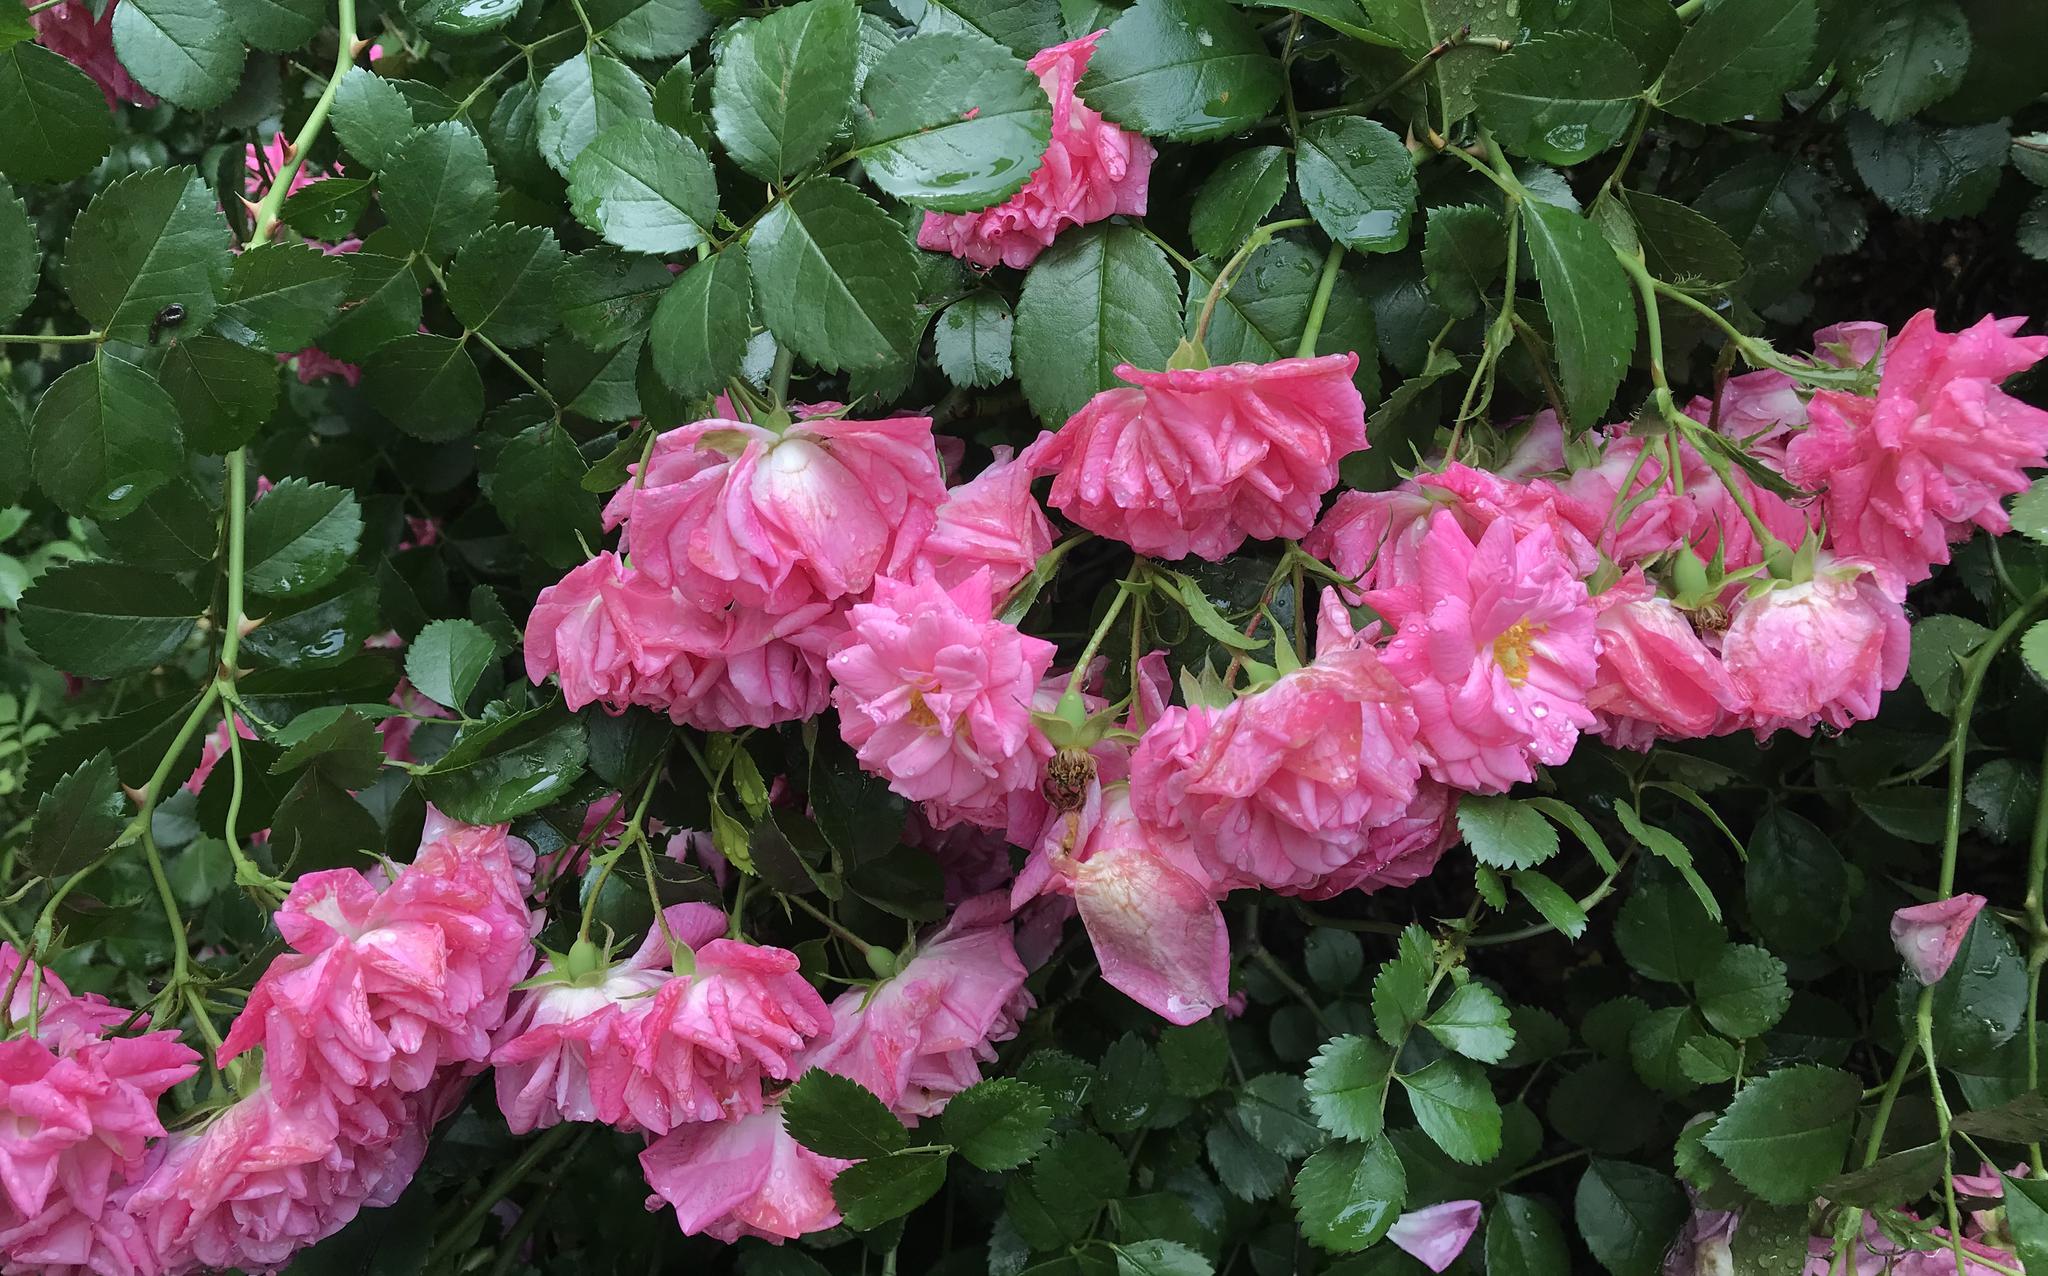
[
  {"x": 370, "y": 1026},
  {"x": 692, "y": 1053},
  {"x": 1511, "y": 612}
]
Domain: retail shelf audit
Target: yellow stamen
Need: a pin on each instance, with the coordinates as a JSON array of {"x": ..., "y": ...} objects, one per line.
[{"x": 1511, "y": 650}]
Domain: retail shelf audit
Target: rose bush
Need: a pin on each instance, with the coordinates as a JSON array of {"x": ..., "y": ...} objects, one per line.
[{"x": 1342, "y": 636}]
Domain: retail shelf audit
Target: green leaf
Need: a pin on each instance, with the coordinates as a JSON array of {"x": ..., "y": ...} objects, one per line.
[
  {"x": 1648, "y": 29},
  {"x": 659, "y": 29},
  {"x": 536, "y": 484},
  {"x": 1914, "y": 813},
  {"x": 1554, "y": 902},
  {"x": 445, "y": 661},
  {"x": 147, "y": 241},
  {"x": 833, "y": 1116},
  {"x": 645, "y": 187},
  {"x": 319, "y": 825},
  {"x": 1523, "y": 1238},
  {"x": 1246, "y": 1170},
  {"x": 1906, "y": 59},
  {"x": 1193, "y": 1057},
  {"x": 1347, "y": 1195},
  {"x": 784, "y": 84},
  {"x": 425, "y": 385},
  {"x": 1334, "y": 958},
  {"x": 1100, "y": 296},
  {"x": 951, "y": 122},
  {"x": 1629, "y": 1215},
  {"x": 1981, "y": 1002},
  {"x": 873, "y": 1192},
  {"x": 997, "y": 1124},
  {"x": 700, "y": 328},
  {"x": 1022, "y": 26},
  {"x": 582, "y": 98},
  {"x": 275, "y": 26},
  {"x": 502, "y": 284},
  {"x": 224, "y": 392},
  {"x": 1901, "y": 1176},
  {"x": 1473, "y": 1022},
  {"x": 1798, "y": 886},
  {"x": 1454, "y": 1105},
  {"x": 1561, "y": 98},
  {"x": 173, "y": 530},
  {"x": 1463, "y": 253},
  {"x": 371, "y": 117},
  {"x": 1358, "y": 182},
  {"x": 1274, "y": 1110},
  {"x": 1681, "y": 246},
  {"x": 1668, "y": 848},
  {"x": 439, "y": 192},
  {"x": 101, "y": 620},
  {"x": 1785, "y": 1133},
  {"x": 1504, "y": 833},
  {"x": 104, "y": 437},
  {"x": 20, "y": 258},
  {"x": 504, "y": 768},
  {"x": 1664, "y": 934},
  {"x": 1592, "y": 310},
  {"x": 973, "y": 339},
  {"x": 60, "y": 126},
  {"x": 1182, "y": 69},
  {"x": 600, "y": 384},
  {"x": 2030, "y": 515},
  {"x": 1400, "y": 991},
  {"x": 1347, "y": 1086},
  {"x": 383, "y": 304},
  {"x": 325, "y": 629},
  {"x": 341, "y": 744},
  {"x": 462, "y": 17},
  {"x": 1743, "y": 993},
  {"x": 607, "y": 296},
  {"x": 184, "y": 51},
  {"x": 77, "y": 819},
  {"x": 300, "y": 535},
  {"x": 2026, "y": 1213},
  {"x": 1737, "y": 58},
  {"x": 1161, "y": 1258},
  {"x": 1238, "y": 195},
  {"x": 2033, "y": 648},
  {"x": 1928, "y": 171},
  {"x": 2003, "y": 796},
  {"x": 1262, "y": 316},
  {"x": 281, "y": 296},
  {"x": 833, "y": 273}
]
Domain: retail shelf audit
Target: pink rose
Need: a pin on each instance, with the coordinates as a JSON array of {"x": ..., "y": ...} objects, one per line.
[
  {"x": 1495, "y": 643},
  {"x": 1823, "y": 650},
  {"x": 1283, "y": 785},
  {"x": 990, "y": 521},
  {"x": 759, "y": 670},
  {"x": 1435, "y": 1235},
  {"x": 732, "y": 513},
  {"x": 1151, "y": 914},
  {"x": 1194, "y": 462},
  {"x": 1934, "y": 454},
  {"x": 1855, "y": 344},
  {"x": 71, "y": 32},
  {"x": 745, "y": 1177},
  {"x": 935, "y": 695},
  {"x": 1399, "y": 853},
  {"x": 921, "y": 1035},
  {"x": 1092, "y": 169},
  {"x": 1928, "y": 936},
  {"x": 1657, "y": 680},
  {"x": 1761, "y": 410},
  {"x": 387, "y": 984},
  {"x": 265, "y": 1178}
]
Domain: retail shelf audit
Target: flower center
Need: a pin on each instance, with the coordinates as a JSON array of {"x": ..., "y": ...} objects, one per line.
[
  {"x": 1511, "y": 650},
  {"x": 921, "y": 713}
]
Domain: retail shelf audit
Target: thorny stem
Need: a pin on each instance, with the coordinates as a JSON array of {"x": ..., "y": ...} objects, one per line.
[
  {"x": 1319, "y": 306},
  {"x": 265, "y": 218}
]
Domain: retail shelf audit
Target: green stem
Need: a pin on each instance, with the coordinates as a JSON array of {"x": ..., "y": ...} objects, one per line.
[
  {"x": 1259, "y": 238},
  {"x": 1975, "y": 668},
  {"x": 778, "y": 374},
  {"x": 2037, "y": 956},
  {"x": 1417, "y": 71},
  {"x": 513, "y": 364},
  {"x": 1095, "y": 640},
  {"x": 498, "y": 1189},
  {"x": 180, "y": 959},
  {"x": 154, "y": 788},
  {"x": 51, "y": 338},
  {"x": 1291, "y": 984},
  {"x": 238, "y": 510},
  {"x": 1924, "y": 1017},
  {"x": 1320, "y": 304},
  {"x": 265, "y": 219},
  {"x": 826, "y": 920}
]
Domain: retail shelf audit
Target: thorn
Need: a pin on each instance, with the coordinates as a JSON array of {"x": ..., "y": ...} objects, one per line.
[
  {"x": 249, "y": 625},
  {"x": 134, "y": 795},
  {"x": 355, "y": 50}
]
